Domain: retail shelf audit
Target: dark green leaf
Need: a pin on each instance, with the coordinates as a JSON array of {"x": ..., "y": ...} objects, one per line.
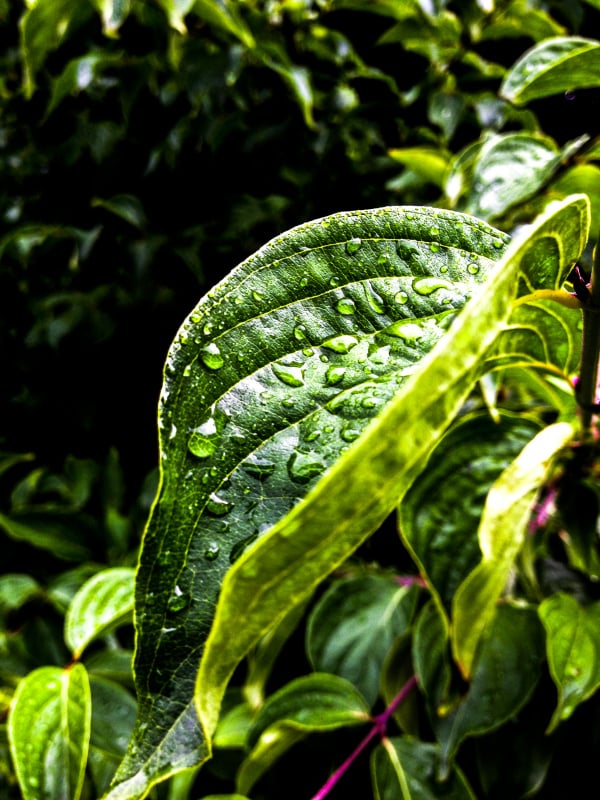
[
  {"x": 403, "y": 768},
  {"x": 353, "y": 626},
  {"x": 113, "y": 717}
]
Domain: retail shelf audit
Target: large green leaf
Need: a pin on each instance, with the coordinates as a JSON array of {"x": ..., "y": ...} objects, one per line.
[
  {"x": 268, "y": 384},
  {"x": 501, "y": 534},
  {"x": 555, "y": 65},
  {"x": 351, "y": 629},
  {"x": 49, "y": 732},
  {"x": 572, "y": 642},
  {"x": 440, "y": 513}
]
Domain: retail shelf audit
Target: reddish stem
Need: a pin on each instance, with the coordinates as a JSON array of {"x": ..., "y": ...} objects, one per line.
[{"x": 380, "y": 724}]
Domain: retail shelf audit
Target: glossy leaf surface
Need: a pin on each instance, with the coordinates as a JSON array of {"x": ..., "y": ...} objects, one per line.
[
  {"x": 440, "y": 514},
  {"x": 572, "y": 642},
  {"x": 102, "y": 604},
  {"x": 49, "y": 732},
  {"x": 353, "y": 626},
  {"x": 403, "y": 768},
  {"x": 556, "y": 65},
  {"x": 502, "y": 531}
]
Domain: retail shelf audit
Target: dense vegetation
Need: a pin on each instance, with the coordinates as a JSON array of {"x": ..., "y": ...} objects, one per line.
[{"x": 147, "y": 147}]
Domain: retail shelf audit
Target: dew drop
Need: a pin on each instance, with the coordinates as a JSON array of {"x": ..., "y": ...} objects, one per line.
[
  {"x": 334, "y": 281},
  {"x": 211, "y": 356},
  {"x": 427, "y": 286},
  {"x": 217, "y": 506},
  {"x": 498, "y": 243},
  {"x": 300, "y": 333},
  {"x": 406, "y": 251},
  {"x": 304, "y": 466},
  {"x": 346, "y": 306},
  {"x": 341, "y": 344},
  {"x": 212, "y": 551},
  {"x": 291, "y": 376},
  {"x": 187, "y": 371},
  {"x": 201, "y": 446},
  {"x": 434, "y": 247},
  {"x": 473, "y": 269},
  {"x": 353, "y": 245},
  {"x": 374, "y": 300},
  {"x": 260, "y": 468},
  {"x": 257, "y": 296},
  {"x": 303, "y": 282},
  {"x": 288, "y": 403},
  {"x": 238, "y": 300},
  {"x": 177, "y": 601},
  {"x": 312, "y": 435},
  {"x": 401, "y": 298},
  {"x": 349, "y": 434},
  {"x": 334, "y": 375},
  {"x": 410, "y": 332}
]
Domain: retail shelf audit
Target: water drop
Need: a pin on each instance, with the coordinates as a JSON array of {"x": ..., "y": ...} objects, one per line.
[
  {"x": 239, "y": 547},
  {"x": 434, "y": 247},
  {"x": 291, "y": 376},
  {"x": 300, "y": 333},
  {"x": 177, "y": 601},
  {"x": 211, "y": 356},
  {"x": 217, "y": 506},
  {"x": 346, "y": 306},
  {"x": 312, "y": 435},
  {"x": 427, "y": 286},
  {"x": 257, "y": 296},
  {"x": 353, "y": 245},
  {"x": 187, "y": 371},
  {"x": 341, "y": 344},
  {"x": 349, "y": 434},
  {"x": 334, "y": 375},
  {"x": 473, "y": 269},
  {"x": 303, "y": 282},
  {"x": 410, "y": 332},
  {"x": 374, "y": 300},
  {"x": 260, "y": 468},
  {"x": 369, "y": 402},
  {"x": 334, "y": 281},
  {"x": 401, "y": 298},
  {"x": 288, "y": 403},
  {"x": 238, "y": 300},
  {"x": 212, "y": 551},
  {"x": 208, "y": 329},
  {"x": 304, "y": 466},
  {"x": 434, "y": 231},
  {"x": 406, "y": 251},
  {"x": 201, "y": 446},
  {"x": 498, "y": 243}
]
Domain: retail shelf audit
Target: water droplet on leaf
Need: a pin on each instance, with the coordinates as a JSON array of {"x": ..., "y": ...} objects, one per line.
[
  {"x": 201, "y": 446},
  {"x": 353, "y": 245},
  {"x": 211, "y": 356},
  {"x": 217, "y": 506},
  {"x": 410, "y": 332},
  {"x": 427, "y": 286},
  {"x": 401, "y": 298},
  {"x": 473, "y": 269},
  {"x": 291, "y": 376},
  {"x": 349, "y": 434},
  {"x": 334, "y": 375},
  {"x": 304, "y": 466},
  {"x": 341, "y": 344},
  {"x": 212, "y": 551},
  {"x": 177, "y": 601},
  {"x": 346, "y": 306},
  {"x": 260, "y": 468}
]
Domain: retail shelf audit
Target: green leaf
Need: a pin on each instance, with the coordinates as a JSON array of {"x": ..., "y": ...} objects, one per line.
[
  {"x": 429, "y": 163},
  {"x": 126, "y": 206},
  {"x": 49, "y": 731},
  {"x": 583, "y": 178},
  {"x": 103, "y": 603},
  {"x": 317, "y": 702},
  {"x": 440, "y": 514},
  {"x": 573, "y": 647},
  {"x": 113, "y": 717},
  {"x": 54, "y": 532},
  {"x": 43, "y": 26},
  {"x": 114, "y": 14},
  {"x": 79, "y": 75},
  {"x": 15, "y": 591},
  {"x": 509, "y": 169},
  {"x": 351, "y": 629},
  {"x": 505, "y": 673},
  {"x": 501, "y": 534},
  {"x": 328, "y": 331},
  {"x": 221, "y": 14},
  {"x": 403, "y": 768},
  {"x": 431, "y": 656},
  {"x": 555, "y": 65}
]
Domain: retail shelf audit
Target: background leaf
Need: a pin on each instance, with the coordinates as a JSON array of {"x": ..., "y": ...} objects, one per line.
[
  {"x": 572, "y": 635},
  {"x": 351, "y": 629},
  {"x": 49, "y": 731},
  {"x": 102, "y": 604}
]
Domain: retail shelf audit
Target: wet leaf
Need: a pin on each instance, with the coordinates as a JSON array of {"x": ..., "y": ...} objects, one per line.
[{"x": 49, "y": 731}]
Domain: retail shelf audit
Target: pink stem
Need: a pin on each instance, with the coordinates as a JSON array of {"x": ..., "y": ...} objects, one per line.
[{"x": 379, "y": 728}]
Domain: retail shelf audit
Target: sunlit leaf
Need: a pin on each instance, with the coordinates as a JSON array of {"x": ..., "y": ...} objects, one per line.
[
  {"x": 553, "y": 66},
  {"x": 501, "y": 534},
  {"x": 49, "y": 731},
  {"x": 573, "y": 646},
  {"x": 102, "y": 604}
]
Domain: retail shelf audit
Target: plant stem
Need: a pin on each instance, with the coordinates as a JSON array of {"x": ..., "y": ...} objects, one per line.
[
  {"x": 590, "y": 351},
  {"x": 379, "y": 728}
]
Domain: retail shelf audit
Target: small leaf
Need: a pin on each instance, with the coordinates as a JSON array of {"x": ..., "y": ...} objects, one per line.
[
  {"x": 79, "y": 75},
  {"x": 114, "y": 13},
  {"x": 351, "y": 629},
  {"x": 102, "y": 604},
  {"x": 556, "y": 65},
  {"x": 429, "y": 163},
  {"x": 501, "y": 534},
  {"x": 54, "y": 532},
  {"x": 318, "y": 702},
  {"x": 509, "y": 169},
  {"x": 573, "y": 645},
  {"x": 49, "y": 731},
  {"x": 15, "y": 591},
  {"x": 403, "y": 768},
  {"x": 113, "y": 717},
  {"x": 126, "y": 206}
]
